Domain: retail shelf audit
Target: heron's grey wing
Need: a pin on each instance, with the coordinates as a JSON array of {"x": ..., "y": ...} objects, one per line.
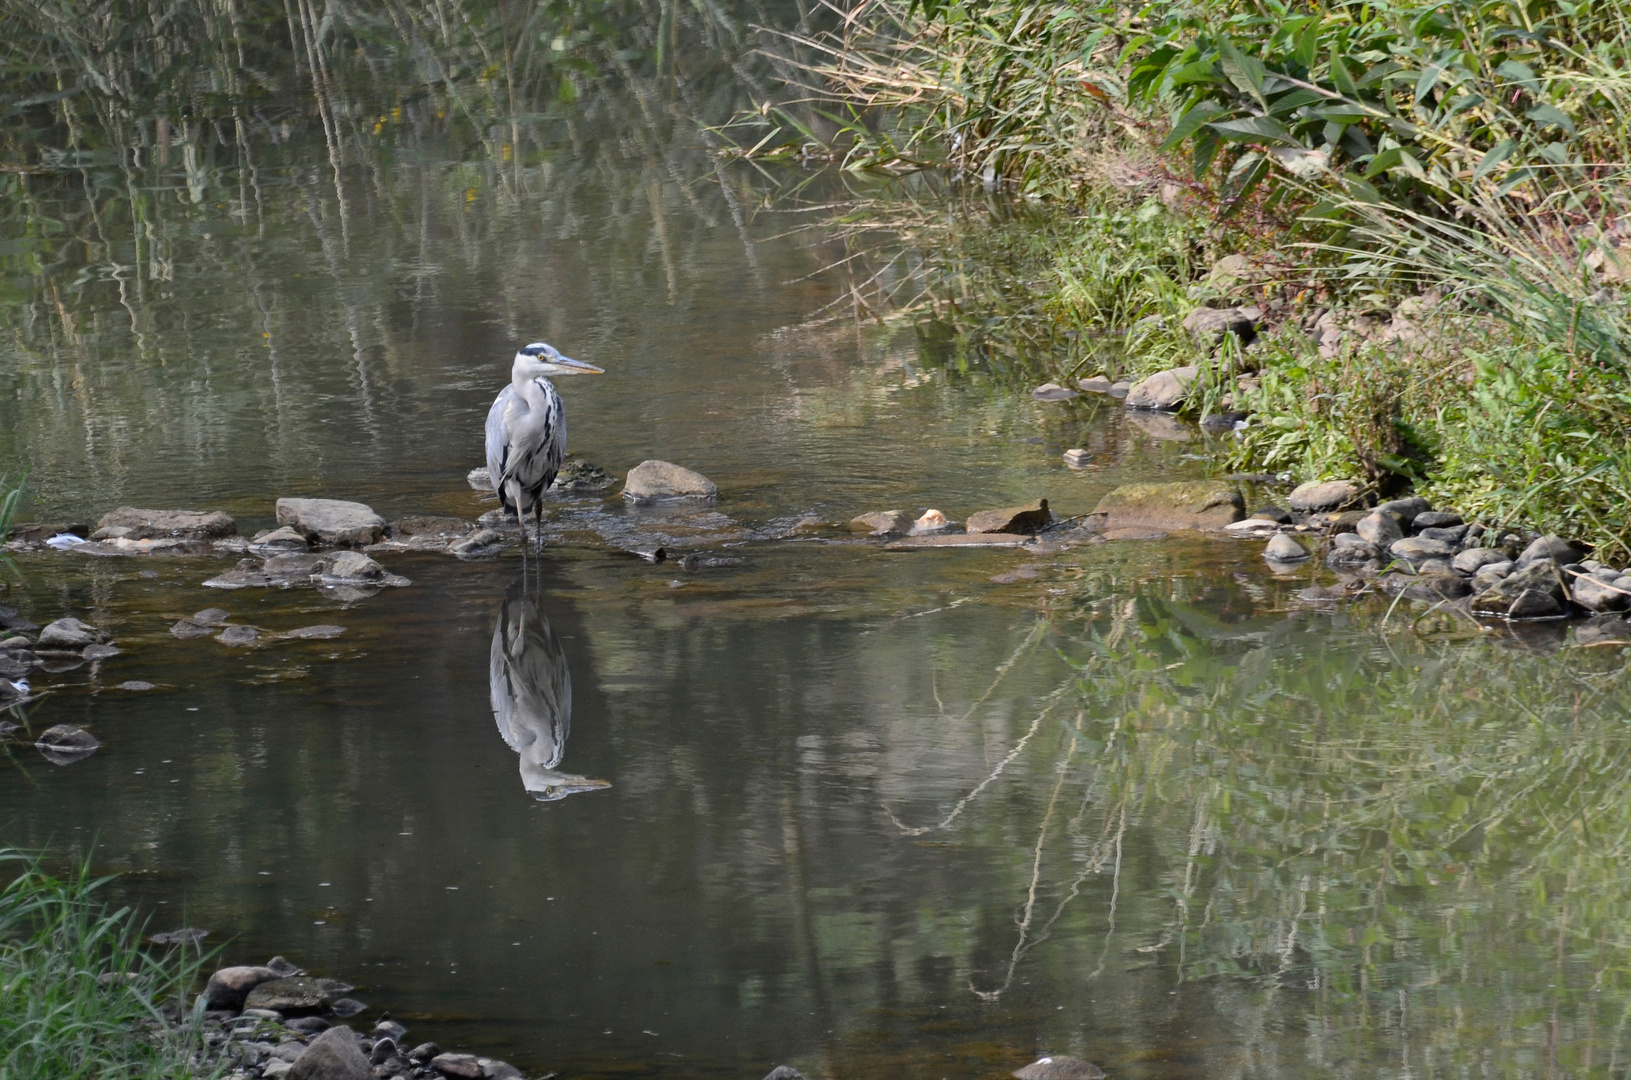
[
  {"x": 537, "y": 442},
  {"x": 497, "y": 442}
]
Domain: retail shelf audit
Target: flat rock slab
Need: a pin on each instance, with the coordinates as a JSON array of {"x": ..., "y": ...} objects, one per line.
[
  {"x": 1165, "y": 390},
  {"x": 656, "y": 481},
  {"x": 883, "y": 523},
  {"x": 1013, "y": 519},
  {"x": 296, "y": 993},
  {"x": 960, "y": 540},
  {"x": 133, "y": 523},
  {"x": 1186, "y": 504},
  {"x": 320, "y": 632},
  {"x": 1324, "y": 495},
  {"x": 332, "y": 522}
]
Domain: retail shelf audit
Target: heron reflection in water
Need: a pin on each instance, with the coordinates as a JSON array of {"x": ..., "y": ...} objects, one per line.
[{"x": 531, "y": 688}]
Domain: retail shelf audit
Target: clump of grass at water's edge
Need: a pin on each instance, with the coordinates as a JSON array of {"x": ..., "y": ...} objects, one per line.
[
  {"x": 79, "y": 995},
  {"x": 1359, "y": 155}
]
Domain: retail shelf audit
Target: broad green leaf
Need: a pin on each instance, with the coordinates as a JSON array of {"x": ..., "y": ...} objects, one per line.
[
  {"x": 1197, "y": 71},
  {"x": 1384, "y": 161},
  {"x": 1308, "y": 45},
  {"x": 1428, "y": 79},
  {"x": 1244, "y": 71},
  {"x": 1190, "y": 122},
  {"x": 1254, "y": 129},
  {"x": 1519, "y": 73},
  {"x": 1551, "y": 114},
  {"x": 1496, "y": 154},
  {"x": 1288, "y": 103},
  {"x": 1342, "y": 78}
]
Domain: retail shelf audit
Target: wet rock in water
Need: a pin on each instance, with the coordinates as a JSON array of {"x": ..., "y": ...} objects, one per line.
[
  {"x": 286, "y": 538},
  {"x": 698, "y": 561},
  {"x": 1533, "y": 592},
  {"x": 187, "y": 628},
  {"x": 384, "y": 1048},
  {"x": 480, "y": 479},
  {"x": 1474, "y": 559},
  {"x": 1554, "y": 548},
  {"x": 238, "y": 635},
  {"x": 353, "y": 567},
  {"x": 784, "y": 1072},
  {"x": 1602, "y": 590},
  {"x": 1407, "y": 509},
  {"x": 1012, "y": 519},
  {"x": 429, "y": 525},
  {"x": 1324, "y": 495},
  {"x": 131, "y": 523},
  {"x": 248, "y": 574},
  {"x": 1603, "y": 630},
  {"x": 463, "y": 1066},
  {"x": 1053, "y": 392},
  {"x": 1438, "y": 585},
  {"x": 211, "y": 616},
  {"x": 659, "y": 481},
  {"x": 1417, "y": 549},
  {"x": 1436, "y": 519},
  {"x": 1223, "y": 421},
  {"x": 1028, "y": 572},
  {"x": 66, "y": 634},
  {"x": 479, "y": 543},
  {"x": 932, "y": 521},
  {"x": 289, "y": 994},
  {"x": 228, "y": 987},
  {"x": 579, "y": 475},
  {"x": 499, "y": 1070},
  {"x": 1211, "y": 325},
  {"x": 882, "y": 523},
  {"x": 652, "y": 555},
  {"x": 1161, "y": 425},
  {"x": 1096, "y": 384},
  {"x": 307, "y": 1025},
  {"x": 1078, "y": 458},
  {"x": 1379, "y": 529},
  {"x": 424, "y": 1052},
  {"x": 332, "y": 522},
  {"x": 10, "y": 620},
  {"x": 333, "y": 1055},
  {"x": 100, "y": 652},
  {"x": 135, "y": 686},
  {"x": 1188, "y": 504},
  {"x": 1163, "y": 391},
  {"x": 1255, "y": 527},
  {"x": 1434, "y": 566},
  {"x": 1060, "y": 1067},
  {"x": 386, "y": 1028},
  {"x": 283, "y": 967},
  {"x": 346, "y": 1006},
  {"x": 62, "y": 743},
  {"x": 1119, "y": 389},
  {"x": 12, "y": 667},
  {"x": 320, "y": 632},
  {"x": 1283, "y": 549}
]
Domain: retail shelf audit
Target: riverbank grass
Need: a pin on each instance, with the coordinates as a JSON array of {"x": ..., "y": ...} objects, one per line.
[{"x": 79, "y": 995}]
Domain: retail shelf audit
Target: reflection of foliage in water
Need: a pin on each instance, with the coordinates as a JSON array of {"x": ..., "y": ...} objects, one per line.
[{"x": 1416, "y": 849}]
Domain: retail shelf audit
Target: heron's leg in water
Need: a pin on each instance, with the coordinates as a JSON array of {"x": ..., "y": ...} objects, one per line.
[{"x": 538, "y": 522}]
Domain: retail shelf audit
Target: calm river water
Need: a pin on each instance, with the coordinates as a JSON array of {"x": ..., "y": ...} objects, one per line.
[{"x": 870, "y": 814}]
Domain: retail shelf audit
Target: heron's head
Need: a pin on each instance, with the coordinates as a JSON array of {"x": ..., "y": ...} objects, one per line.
[{"x": 540, "y": 359}]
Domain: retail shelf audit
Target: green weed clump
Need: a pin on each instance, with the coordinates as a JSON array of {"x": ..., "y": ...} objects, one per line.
[{"x": 79, "y": 996}]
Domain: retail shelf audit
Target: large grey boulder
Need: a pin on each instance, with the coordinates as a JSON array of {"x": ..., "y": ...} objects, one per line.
[
  {"x": 1186, "y": 504},
  {"x": 1165, "y": 390},
  {"x": 1534, "y": 592},
  {"x": 658, "y": 481},
  {"x": 331, "y": 522},
  {"x": 295, "y": 993},
  {"x": 1602, "y": 590},
  {"x": 1012, "y": 519},
  {"x": 1379, "y": 529},
  {"x": 1474, "y": 559},
  {"x": 1211, "y": 325},
  {"x": 1407, "y": 509},
  {"x": 69, "y": 634},
  {"x": 132, "y": 523},
  {"x": 229, "y": 986},
  {"x": 1555, "y": 548},
  {"x": 1282, "y": 548},
  {"x": 333, "y": 1055},
  {"x": 1324, "y": 495}
]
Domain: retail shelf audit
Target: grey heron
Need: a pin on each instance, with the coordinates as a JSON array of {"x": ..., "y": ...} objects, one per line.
[
  {"x": 526, "y": 431},
  {"x": 531, "y": 689}
]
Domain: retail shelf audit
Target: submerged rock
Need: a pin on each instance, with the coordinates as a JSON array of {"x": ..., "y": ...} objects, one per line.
[
  {"x": 1078, "y": 458},
  {"x": 131, "y": 523},
  {"x": 429, "y": 525},
  {"x": 1324, "y": 495},
  {"x": 882, "y": 523},
  {"x": 282, "y": 539},
  {"x": 578, "y": 475},
  {"x": 69, "y": 634},
  {"x": 1060, "y": 1067},
  {"x": 333, "y": 1055},
  {"x": 1012, "y": 519},
  {"x": 479, "y": 479},
  {"x": 1165, "y": 390},
  {"x": 332, "y": 522},
  {"x": 62, "y": 744},
  {"x": 479, "y": 543},
  {"x": 1053, "y": 392},
  {"x": 100, "y": 652},
  {"x": 1187, "y": 504},
  {"x": 289, "y": 994},
  {"x": 1282, "y": 548},
  {"x": 320, "y": 632},
  {"x": 784, "y": 1072},
  {"x": 1095, "y": 384},
  {"x": 1533, "y": 592},
  {"x": 658, "y": 481},
  {"x": 187, "y": 628},
  {"x": 238, "y": 635}
]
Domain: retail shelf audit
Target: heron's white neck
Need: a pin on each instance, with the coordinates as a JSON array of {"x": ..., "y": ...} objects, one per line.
[{"x": 528, "y": 388}]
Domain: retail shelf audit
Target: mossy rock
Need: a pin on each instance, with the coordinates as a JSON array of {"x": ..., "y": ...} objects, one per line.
[{"x": 1185, "y": 504}]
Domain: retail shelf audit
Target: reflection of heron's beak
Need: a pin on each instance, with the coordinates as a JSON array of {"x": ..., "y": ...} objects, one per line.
[{"x": 560, "y": 785}]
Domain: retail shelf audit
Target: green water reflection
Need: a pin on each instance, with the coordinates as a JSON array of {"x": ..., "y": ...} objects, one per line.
[{"x": 870, "y": 813}]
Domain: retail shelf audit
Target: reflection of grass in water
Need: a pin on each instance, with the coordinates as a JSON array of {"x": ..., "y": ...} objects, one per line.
[
  {"x": 1353, "y": 826},
  {"x": 81, "y": 998}
]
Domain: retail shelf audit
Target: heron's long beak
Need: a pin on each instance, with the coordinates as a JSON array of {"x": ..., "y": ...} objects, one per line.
[{"x": 569, "y": 366}]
